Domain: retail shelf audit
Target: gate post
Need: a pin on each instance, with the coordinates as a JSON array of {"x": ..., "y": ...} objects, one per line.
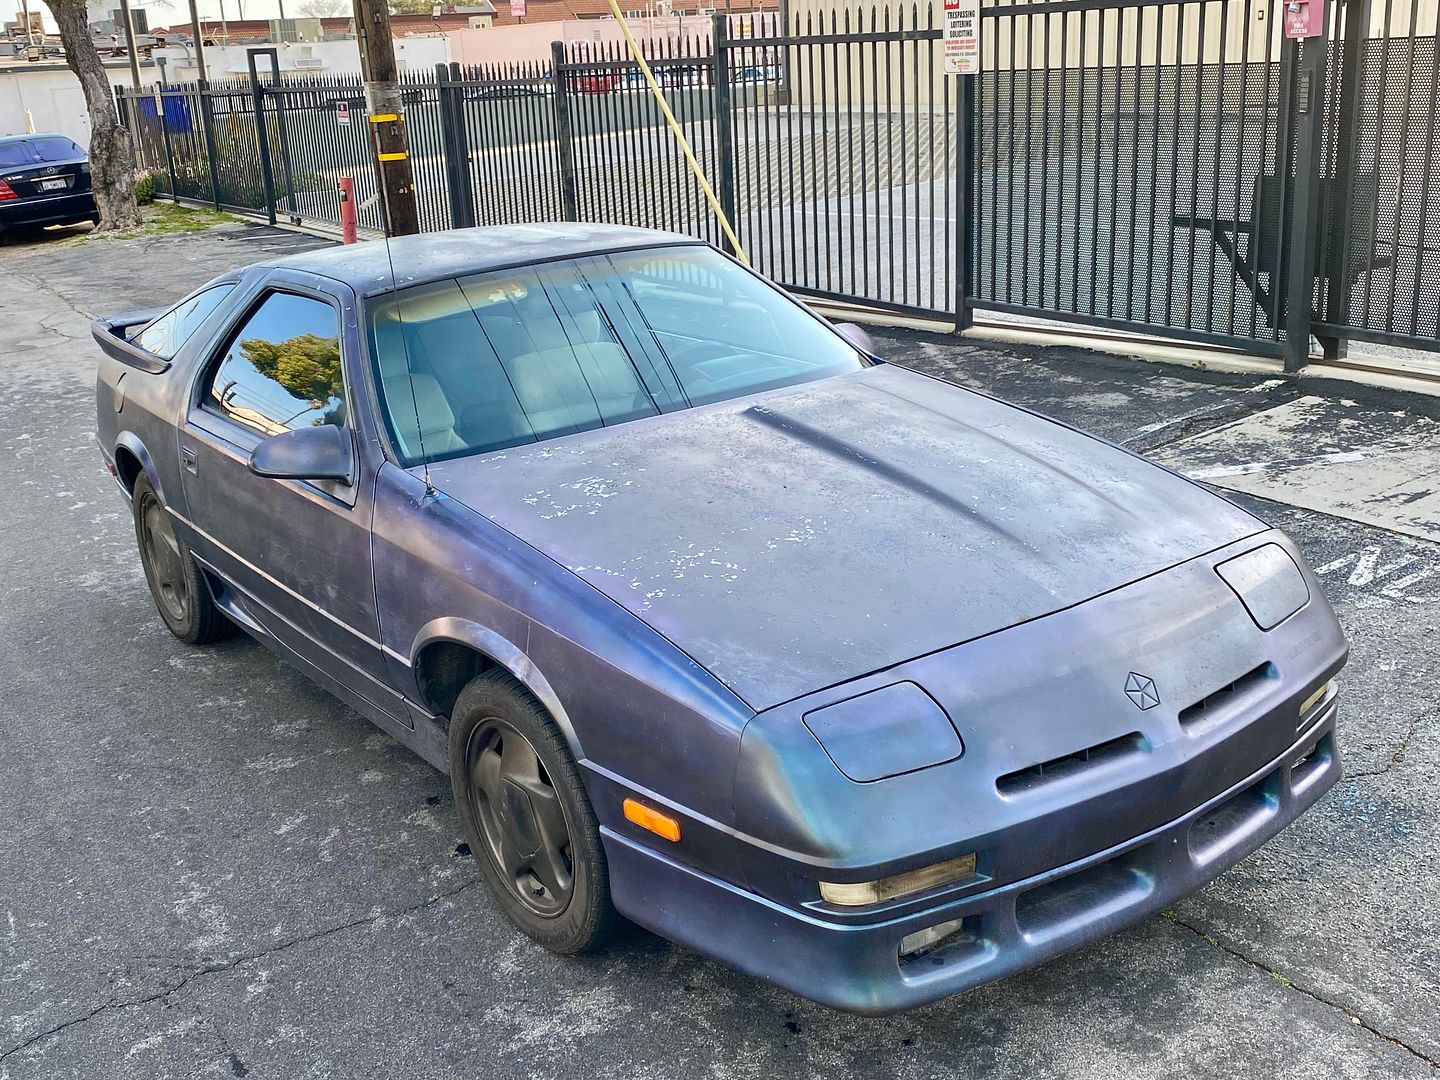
[
  {"x": 564, "y": 142},
  {"x": 1346, "y": 135},
  {"x": 1308, "y": 102},
  {"x": 267, "y": 173},
  {"x": 724, "y": 109},
  {"x": 207, "y": 123},
  {"x": 965, "y": 202},
  {"x": 126, "y": 109},
  {"x": 456, "y": 143},
  {"x": 169, "y": 149}
]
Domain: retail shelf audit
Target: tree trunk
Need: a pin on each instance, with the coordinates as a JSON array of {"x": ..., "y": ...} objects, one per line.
[{"x": 112, "y": 159}]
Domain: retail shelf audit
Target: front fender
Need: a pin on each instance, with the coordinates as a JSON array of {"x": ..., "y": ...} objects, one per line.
[{"x": 507, "y": 655}]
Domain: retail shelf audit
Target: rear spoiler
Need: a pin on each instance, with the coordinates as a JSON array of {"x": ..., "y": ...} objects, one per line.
[{"x": 112, "y": 334}]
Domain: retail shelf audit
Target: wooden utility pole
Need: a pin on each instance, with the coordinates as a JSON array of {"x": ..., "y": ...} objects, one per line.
[{"x": 386, "y": 111}]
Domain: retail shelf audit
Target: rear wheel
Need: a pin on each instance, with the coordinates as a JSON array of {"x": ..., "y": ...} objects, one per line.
[
  {"x": 180, "y": 593},
  {"x": 526, "y": 816}
]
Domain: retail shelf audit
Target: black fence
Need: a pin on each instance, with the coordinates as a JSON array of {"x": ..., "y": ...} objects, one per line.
[{"x": 1166, "y": 166}]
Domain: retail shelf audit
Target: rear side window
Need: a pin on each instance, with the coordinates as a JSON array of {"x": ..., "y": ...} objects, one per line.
[
  {"x": 281, "y": 369},
  {"x": 167, "y": 335}
]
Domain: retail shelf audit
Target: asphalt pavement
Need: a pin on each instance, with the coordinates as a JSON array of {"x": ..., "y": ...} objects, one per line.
[{"x": 209, "y": 867}]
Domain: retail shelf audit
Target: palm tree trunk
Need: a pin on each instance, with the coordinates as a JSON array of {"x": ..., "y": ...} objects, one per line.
[{"x": 112, "y": 159}]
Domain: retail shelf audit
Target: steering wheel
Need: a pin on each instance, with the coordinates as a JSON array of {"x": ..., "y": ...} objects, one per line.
[{"x": 697, "y": 352}]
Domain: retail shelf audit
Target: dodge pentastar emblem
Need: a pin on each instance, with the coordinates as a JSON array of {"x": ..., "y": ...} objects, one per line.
[{"x": 1141, "y": 690}]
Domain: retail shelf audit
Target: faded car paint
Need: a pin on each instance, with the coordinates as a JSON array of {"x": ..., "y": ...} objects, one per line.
[
  {"x": 792, "y": 540},
  {"x": 803, "y": 547}
]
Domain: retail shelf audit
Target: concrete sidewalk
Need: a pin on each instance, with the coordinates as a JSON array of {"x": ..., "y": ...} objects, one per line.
[{"x": 208, "y": 867}]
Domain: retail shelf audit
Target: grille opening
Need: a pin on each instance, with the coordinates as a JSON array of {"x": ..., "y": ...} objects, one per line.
[
  {"x": 1097, "y": 892},
  {"x": 1236, "y": 818},
  {"x": 952, "y": 946},
  {"x": 1216, "y": 705},
  {"x": 1312, "y": 760},
  {"x": 1056, "y": 769}
]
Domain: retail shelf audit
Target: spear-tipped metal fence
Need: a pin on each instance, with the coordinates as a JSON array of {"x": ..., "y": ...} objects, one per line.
[{"x": 1174, "y": 167}]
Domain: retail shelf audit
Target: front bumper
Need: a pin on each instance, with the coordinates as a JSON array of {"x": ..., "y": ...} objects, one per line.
[
  {"x": 47, "y": 210},
  {"x": 858, "y": 967}
]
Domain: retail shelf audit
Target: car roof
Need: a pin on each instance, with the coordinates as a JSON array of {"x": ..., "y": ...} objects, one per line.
[
  {"x": 27, "y": 136},
  {"x": 436, "y": 256}
]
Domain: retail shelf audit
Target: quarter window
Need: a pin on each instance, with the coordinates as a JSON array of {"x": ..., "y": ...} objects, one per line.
[
  {"x": 281, "y": 369},
  {"x": 167, "y": 335}
]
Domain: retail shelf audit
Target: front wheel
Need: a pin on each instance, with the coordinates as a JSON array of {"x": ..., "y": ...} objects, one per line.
[
  {"x": 180, "y": 593},
  {"x": 526, "y": 816}
]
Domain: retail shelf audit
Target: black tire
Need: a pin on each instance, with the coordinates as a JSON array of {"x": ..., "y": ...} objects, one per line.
[
  {"x": 181, "y": 594},
  {"x": 507, "y": 759}
]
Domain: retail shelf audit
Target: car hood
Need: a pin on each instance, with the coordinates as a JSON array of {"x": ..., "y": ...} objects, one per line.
[{"x": 800, "y": 538}]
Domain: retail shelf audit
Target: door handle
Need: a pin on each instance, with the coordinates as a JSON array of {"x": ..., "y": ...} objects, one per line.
[{"x": 189, "y": 459}]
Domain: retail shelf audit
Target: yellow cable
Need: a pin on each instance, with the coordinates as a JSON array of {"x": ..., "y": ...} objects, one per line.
[{"x": 680, "y": 135}]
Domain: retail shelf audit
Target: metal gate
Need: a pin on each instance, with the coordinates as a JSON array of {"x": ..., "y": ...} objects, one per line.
[
  {"x": 1177, "y": 167},
  {"x": 1174, "y": 167}
]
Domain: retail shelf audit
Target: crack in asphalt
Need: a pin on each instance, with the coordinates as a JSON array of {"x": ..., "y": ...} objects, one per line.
[
  {"x": 44, "y": 286},
  {"x": 1396, "y": 758},
  {"x": 201, "y": 968},
  {"x": 1212, "y": 417},
  {"x": 1291, "y": 984}
]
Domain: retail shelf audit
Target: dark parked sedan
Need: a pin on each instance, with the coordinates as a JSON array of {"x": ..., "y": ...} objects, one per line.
[
  {"x": 44, "y": 180},
  {"x": 862, "y": 682}
]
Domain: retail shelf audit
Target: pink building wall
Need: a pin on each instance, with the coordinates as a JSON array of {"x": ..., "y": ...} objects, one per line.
[{"x": 531, "y": 41}]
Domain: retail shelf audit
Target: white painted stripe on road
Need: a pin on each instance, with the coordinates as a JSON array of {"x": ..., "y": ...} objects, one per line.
[{"x": 1262, "y": 466}]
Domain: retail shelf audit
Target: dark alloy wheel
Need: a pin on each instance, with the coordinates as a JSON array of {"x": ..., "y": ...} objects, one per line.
[
  {"x": 162, "y": 555},
  {"x": 181, "y": 595},
  {"x": 526, "y": 816},
  {"x": 520, "y": 816}
]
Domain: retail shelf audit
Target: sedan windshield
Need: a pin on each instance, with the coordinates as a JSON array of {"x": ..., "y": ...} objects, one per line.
[{"x": 480, "y": 363}]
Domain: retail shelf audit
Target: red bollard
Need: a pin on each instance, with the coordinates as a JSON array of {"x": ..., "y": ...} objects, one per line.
[{"x": 347, "y": 209}]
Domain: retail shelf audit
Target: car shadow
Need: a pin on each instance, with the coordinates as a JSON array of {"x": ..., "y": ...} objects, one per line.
[{"x": 21, "y": 237}]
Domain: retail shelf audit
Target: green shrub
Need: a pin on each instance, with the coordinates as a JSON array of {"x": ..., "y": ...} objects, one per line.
[{"x": 145, "y": 188}]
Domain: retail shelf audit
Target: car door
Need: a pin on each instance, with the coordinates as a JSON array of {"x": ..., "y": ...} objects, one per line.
[{"x": 297, "y": 551}]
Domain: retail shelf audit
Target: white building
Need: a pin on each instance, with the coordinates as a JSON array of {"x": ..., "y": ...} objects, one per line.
[{"x": 46, "y": 96}]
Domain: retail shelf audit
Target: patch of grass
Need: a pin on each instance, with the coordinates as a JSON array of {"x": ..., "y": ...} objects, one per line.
[{"x": 163, "y": 219}]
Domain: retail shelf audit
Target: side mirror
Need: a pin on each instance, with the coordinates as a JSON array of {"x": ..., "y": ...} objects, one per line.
[
  {"x": 314, "y": 453},
  {"x": 856, "y": 336}
]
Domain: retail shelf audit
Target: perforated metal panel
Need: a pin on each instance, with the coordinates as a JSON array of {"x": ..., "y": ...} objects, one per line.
[
  {"x": 1385, "y": 255},
  {"x": 1118, "y": 151}
]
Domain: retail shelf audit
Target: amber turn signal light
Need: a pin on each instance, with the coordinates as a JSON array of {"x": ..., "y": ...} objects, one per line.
[{"x": 652, "y": 820}]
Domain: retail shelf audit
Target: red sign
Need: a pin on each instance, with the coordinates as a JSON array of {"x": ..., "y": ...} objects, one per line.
[
  {"x": 342, "y": 113},
  {"x": 1304, "y": 18},
  {"x": 517, "y": 9}
]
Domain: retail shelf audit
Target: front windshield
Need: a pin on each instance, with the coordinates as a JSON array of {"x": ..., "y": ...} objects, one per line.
[{"x": 480, "y": 363}]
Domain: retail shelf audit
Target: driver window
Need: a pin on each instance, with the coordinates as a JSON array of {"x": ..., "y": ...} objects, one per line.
[{"x": 281, "y": 369}]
